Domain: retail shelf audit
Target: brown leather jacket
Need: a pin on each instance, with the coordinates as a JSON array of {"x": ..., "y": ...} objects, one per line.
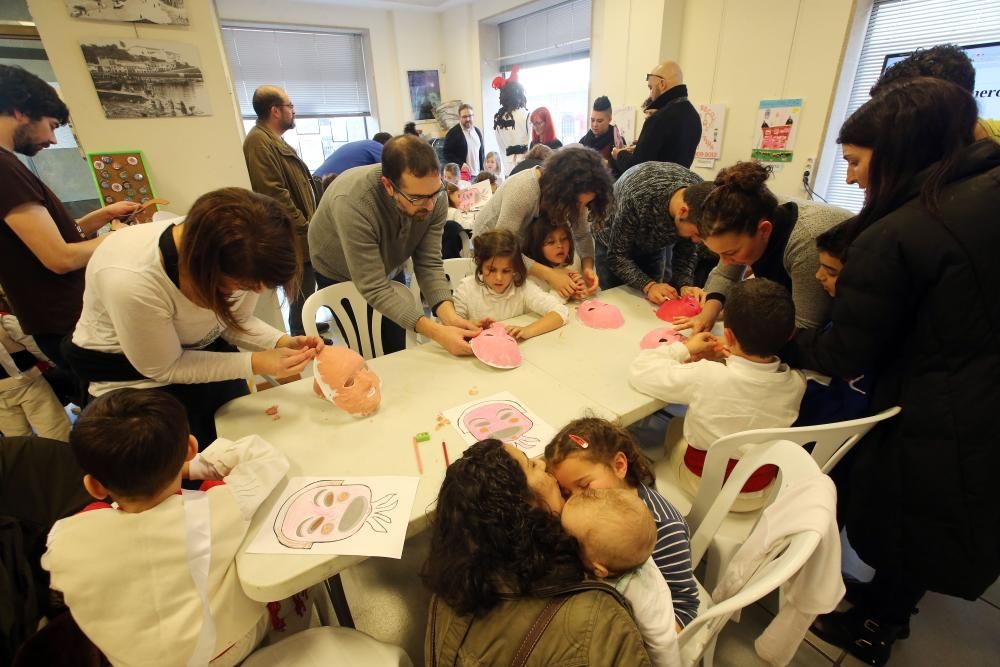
[
  {"x": 592, "y": 628},
  {"x": 276, "y": 170}
]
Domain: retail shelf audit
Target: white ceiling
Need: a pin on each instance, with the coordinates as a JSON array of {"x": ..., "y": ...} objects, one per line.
[{"x": 412, "y": 5}]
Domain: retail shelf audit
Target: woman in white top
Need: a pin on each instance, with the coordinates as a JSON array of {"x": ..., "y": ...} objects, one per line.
[
  {"x": 572, "y": 188},
  {"x": 499, "y": 289},
  {"x": 165, "y": 305}
]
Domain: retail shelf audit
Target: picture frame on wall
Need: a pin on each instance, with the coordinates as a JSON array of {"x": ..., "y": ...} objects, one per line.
[
  {"x": 425, "y": 92},
  {"x": 162, "y": 12}
]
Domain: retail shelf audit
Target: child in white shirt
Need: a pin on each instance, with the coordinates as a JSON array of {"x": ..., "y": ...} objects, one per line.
[
  {"x": 617, "y": 533},
  {"x": 499, "y": 289},
  {"x": 153, "y": 581},
  {"x": 753, "y": 389},
  {"x": 552, "y": 245}
]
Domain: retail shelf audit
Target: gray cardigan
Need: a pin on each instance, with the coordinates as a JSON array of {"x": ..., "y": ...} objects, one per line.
[{"x": 359, "y": 234}]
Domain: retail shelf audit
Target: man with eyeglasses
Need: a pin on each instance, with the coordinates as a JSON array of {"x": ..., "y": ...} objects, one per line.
[
  {"x": 463, "y": 144},
  {"x": 370, "y": 221},
  {"x": 672, "y": 129},
  {"x": 276, "y": 170}
]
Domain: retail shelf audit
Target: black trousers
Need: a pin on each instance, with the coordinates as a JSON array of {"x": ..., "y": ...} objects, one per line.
[{"x": 393, "y": 335}]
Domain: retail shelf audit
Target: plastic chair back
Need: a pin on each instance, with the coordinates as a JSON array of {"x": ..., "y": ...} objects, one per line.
[
  {"x": 345, "y": 647},
  {"x": 360, "y": 331},
  {"x": 457, "y": 269}
]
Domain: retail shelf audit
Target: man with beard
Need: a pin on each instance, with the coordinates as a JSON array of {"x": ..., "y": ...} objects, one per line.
[
  {"x": 370, "y": 221},
  {"x": 672, "y": 129},
  {"x": 463, "y": 144},
  {"x": 277, "y": 171},
  {"x": 603, "y": 136},
  {"x": 43, "y": 250}
]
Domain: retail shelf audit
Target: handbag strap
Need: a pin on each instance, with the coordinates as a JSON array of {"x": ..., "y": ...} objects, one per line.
[{"x": 537, "y": 629}]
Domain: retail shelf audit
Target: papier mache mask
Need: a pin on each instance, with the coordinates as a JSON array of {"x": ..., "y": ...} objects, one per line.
[
  {"x": 600, "y": 315},
  {"x": 661, "y": 336},
  {"x": 343, "y": 378},
  {"x": 686, "y": 306},
  {"x": 495, "y": 347},
  {"x": 329, "y": 511}
]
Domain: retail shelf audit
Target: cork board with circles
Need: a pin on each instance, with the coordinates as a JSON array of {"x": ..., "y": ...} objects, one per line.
[{"x": 122, "y": 176}]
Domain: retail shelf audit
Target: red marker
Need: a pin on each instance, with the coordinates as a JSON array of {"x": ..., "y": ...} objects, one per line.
[{"x": 444, "y": 448}]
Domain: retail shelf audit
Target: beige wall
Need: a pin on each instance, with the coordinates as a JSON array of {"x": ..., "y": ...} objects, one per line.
[{"x": 186, "y": 157}]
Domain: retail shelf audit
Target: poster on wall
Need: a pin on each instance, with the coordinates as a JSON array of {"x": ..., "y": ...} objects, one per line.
[
  {"x": 425, "y": 92},
  {"x": 713, "y": 123},
  {"x": 777, "y": 125},
  {"x": 624, "y": 120},
  {"x": 165, "y": 12},
  {"x": 147, "y": 79}
]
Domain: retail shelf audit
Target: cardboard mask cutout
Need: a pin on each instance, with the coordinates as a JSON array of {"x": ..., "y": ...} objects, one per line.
[
  {"x": 495, "y": 347},
  {"x": 661, "y": 336},
  {"x": 342, "y": 377},
  {"x": 600, "y": 315},
  {"x": 686, "y": 306}
]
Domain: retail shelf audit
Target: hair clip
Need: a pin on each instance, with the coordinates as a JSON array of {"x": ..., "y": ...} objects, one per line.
[{"x": 583, "y": 444}]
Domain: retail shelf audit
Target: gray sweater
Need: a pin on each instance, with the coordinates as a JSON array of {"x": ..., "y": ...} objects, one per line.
[
  {"x": 359, "y": 234},
  {"x": 515, "y": 204},
  {"x": 795, "y": 264}
]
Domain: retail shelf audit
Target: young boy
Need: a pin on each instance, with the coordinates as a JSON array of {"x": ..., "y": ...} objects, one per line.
[
  {"x": 753, "y": 389},
  {"x": 617, "y": 533},
  {"x": 153, "y": 581}
]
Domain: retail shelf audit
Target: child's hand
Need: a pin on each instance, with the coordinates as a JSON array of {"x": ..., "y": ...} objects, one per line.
[
  {"x": 519, "y": 333},
  {"x": 705, "y": 346},
  {"x": 486, "y": 322}
]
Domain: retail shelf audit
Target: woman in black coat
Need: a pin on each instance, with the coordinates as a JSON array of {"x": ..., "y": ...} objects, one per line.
[{"x": 917, "y": 303}]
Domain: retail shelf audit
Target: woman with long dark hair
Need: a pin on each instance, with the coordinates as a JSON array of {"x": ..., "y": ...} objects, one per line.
[
  {"x": 917, "y": 304},
  {"x": 499, "y": 555},
  {"x": 166, "y": 304},
  {"x": 572, "y": 188}
]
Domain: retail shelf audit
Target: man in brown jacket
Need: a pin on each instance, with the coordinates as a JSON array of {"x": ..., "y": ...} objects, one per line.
[{"x": 276, "y": 170}]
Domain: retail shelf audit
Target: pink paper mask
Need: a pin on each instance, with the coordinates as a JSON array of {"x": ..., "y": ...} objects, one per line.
[
  {"x": 328, "y": 511},
  {"x": 343, "y": 378},
  {"x": 495, "y": 347},
  {"x": 661, "y": 336},
  {"x": 686, "y": 306},
  {"x": 600, "y": 315},
  {"x": 503, "y": 420}
]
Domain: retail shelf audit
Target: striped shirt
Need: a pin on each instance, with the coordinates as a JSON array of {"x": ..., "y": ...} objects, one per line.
[{"x": 672, "y": 554}]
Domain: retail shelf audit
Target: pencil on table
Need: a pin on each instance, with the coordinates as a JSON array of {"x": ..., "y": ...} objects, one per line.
[
  {"x": 444, "y": 448},
  {"x": 416, "y": 453}
]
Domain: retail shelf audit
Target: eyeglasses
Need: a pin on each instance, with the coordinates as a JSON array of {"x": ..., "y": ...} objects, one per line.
[
  {"x": 656, "y": 75},
  {"x": 416, "y": 200},
  {"x": 289, "y": 105}
]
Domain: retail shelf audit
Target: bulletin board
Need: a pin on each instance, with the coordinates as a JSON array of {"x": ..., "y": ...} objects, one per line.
[{"x": 122, "y": 176}]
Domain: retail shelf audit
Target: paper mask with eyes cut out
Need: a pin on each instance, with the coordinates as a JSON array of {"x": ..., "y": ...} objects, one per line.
[
  {"x": 661, "y": 336},
  {"x": 328, "y": 511},
  {"x": 686, "y": 306},
  {"x": 495, "y": 347},
  {"x": 600, "y": 315},
  {"x": 506, "y": 421},
  {"x": 343, "y": 378}
]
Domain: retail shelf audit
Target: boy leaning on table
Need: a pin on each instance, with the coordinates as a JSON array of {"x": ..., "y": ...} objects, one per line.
[{"x": 137, "y": 575}]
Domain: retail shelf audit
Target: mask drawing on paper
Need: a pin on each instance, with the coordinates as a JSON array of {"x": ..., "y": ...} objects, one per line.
[
  {"x": 342, "y": 377},
  {"x": 506, "y": 421},
  {"x": 495, "y": 347},
  {"x": 328, "y": 511},
  {"x": 600, "y": 315}
]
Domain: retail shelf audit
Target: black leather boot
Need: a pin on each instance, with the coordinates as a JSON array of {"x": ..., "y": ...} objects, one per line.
[
  {"x": 859, "y": 595},
  {"x": 866, "y": 638}
]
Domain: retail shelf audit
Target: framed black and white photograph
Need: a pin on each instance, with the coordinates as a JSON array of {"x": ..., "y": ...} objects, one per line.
[
  {"x": 147, "y": 79},
  {"x": 172, "y": 12}
]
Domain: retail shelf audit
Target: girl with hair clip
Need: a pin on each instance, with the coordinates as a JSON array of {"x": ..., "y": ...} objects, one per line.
[
  {"x": 742, "y": 222},
  {"x": 542, "y": 129},
  {"x": 551, "y": 245},
  {"x": 511, "y": 121},
  {"x": 166, "y": 305},
  {"x": 593, "y": 453},
  {"x": 498, "y": 290},
  {"x": 921, "y": 505}
]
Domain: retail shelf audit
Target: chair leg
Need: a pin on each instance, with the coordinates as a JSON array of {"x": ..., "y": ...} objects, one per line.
[
  {"x": 335, "y": 587},
  {"x": 708, "y": 659}
]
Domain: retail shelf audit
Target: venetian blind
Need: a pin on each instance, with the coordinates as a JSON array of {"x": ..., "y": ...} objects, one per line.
[{"x": 555, "y": 33}]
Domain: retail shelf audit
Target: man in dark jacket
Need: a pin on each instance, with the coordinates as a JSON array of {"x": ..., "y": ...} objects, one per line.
[
  {"x": 672, "y": 129},
  {"x": 463, "y": 144}
]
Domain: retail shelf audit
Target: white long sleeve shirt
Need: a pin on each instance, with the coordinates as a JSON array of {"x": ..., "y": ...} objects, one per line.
[
  {"x": 653, "y": 609},
  {"x": 474, "y": 301},
  {"x": 126, "y": 575},
  {"x": 723, "y": 398},
  {"x": 131, "y": 306}
]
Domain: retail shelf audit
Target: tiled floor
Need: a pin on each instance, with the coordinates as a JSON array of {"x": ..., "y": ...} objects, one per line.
[{"x": 390, "y": 603}]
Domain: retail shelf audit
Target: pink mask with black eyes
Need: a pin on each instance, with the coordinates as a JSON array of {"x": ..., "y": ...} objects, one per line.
[
  {"x": 495, "y": 347},
  {"x": 661, "y": 336},
  {"x": 341, "y": 376},
  {"x": 600, "y": 315},
  {"x": 686, "y": 306},
  {"x": 329, "y": 511}
]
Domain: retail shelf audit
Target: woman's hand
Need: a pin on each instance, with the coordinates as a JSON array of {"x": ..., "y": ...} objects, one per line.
[
  {"x": 301, "y": 343},
  {"x": 591, "y": 283},
  {"x": 562, "y": 282},
  {"x": 704, "y": 321},
  {"x": 281, "y": 361},
  {"x": 696, "y": 292}
]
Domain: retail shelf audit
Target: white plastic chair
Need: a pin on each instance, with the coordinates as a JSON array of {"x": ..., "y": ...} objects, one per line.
[
  {"x": 457, "y": 269},
  {"x": 697, "y": 640},
  {"x": 350, "y": 317},
  {"x": 317, "y": 647}
]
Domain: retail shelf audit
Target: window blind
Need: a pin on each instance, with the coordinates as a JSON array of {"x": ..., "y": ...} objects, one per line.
[
  {"x": 897, "y": 26},
  {"x": 323, "y": 72},
  {"x": 555, "y": 33}
]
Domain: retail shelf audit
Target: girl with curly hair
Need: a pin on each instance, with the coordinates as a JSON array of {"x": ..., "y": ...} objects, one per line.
[
  {"x": 572, "y": 188},
  {"x": 497, "y": 553}
]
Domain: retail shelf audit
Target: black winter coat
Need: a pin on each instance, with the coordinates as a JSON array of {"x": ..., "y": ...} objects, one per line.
[
  {"x": 456, "y": 147},
  {"x": 918, "y": 304},
  {"x": 669, "y": 135}
]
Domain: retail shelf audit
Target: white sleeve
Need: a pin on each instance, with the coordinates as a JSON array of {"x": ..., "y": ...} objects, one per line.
[
  {"x": 12, "y": 327},
  {"x": 653, "y": 609},
  {"x": 542, "y": 303},
  {"x": 662, "y": 373},
  {"x": 145, "y": 329},
  {"x": 461, "y": 297},
  {"x": 256, "y": 334},
  {"x": 251, "y": 467}
]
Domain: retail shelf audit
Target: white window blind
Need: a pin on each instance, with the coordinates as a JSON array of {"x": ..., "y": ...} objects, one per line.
[
  {"x": 322, "y": 72},
  {"x": 559, "y": 32},
  {"x": 898, "y": 26}
]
